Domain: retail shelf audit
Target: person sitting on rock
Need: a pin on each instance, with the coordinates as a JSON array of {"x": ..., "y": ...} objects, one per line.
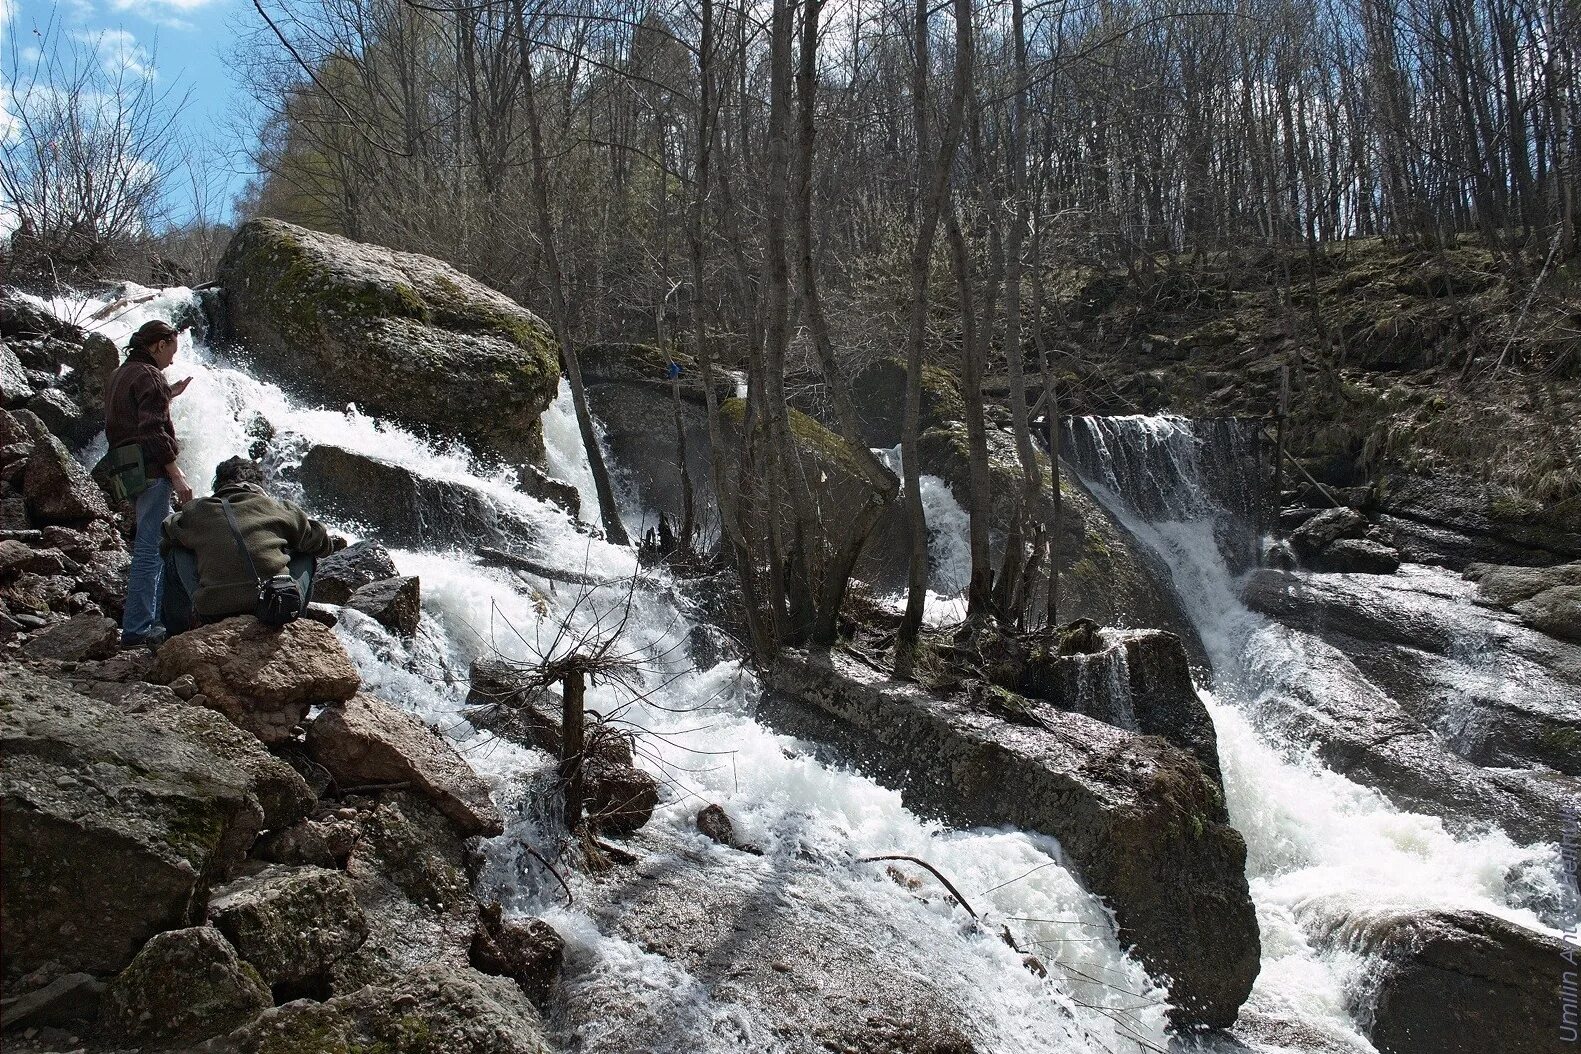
[{"x": 207, "y": 577}]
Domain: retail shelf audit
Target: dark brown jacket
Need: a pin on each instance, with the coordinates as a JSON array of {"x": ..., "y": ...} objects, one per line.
[
  {"x": 137, "y": 410},
  {"x": 273, "y": 530}
]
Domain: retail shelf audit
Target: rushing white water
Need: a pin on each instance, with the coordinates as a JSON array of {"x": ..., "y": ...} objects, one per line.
[
  {"x": 1319, "y": 845},
  {"x": 699, "y": 737}
]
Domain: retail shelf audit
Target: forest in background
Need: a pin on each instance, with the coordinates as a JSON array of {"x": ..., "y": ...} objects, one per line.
[{"x": 1025, "y": 193}]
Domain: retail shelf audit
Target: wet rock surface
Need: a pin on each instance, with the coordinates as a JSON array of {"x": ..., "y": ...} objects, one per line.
[
  {"x": 824, "y": 977},
  {"x": 1451, "y": 982},
  {"x": 1322, "y": 699},
  {"x": 395, "y": 603},
  {"x": 1499, "y": 692},
  {"x": 1135, "y": 816},
  {"x": 406, "y": 508}
]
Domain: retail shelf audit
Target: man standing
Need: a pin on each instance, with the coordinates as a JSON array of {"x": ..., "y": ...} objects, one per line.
[
  {"x": 137, "y": 411},
  {"x": 220, "y": 547}
]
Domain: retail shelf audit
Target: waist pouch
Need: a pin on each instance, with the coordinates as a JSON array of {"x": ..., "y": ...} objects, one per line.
[{"x": 123, "y": 471}]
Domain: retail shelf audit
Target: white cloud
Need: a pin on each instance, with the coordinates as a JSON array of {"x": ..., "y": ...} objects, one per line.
[
  {"x": 160, "y": 12},
  {"x": 119, "y": 51}
]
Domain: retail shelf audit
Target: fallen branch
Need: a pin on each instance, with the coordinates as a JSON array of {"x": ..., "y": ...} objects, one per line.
[
  {"x": 569, "y": 900},
  {"x": 935, "y": 872}
]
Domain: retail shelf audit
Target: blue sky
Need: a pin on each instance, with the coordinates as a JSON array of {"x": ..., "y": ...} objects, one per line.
[{"x": 186, "y": 43}]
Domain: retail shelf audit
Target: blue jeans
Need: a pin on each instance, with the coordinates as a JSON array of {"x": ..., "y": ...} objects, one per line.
[{"x": 145, "y": 580}]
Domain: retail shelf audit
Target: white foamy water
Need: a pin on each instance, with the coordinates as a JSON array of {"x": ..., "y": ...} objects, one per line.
[
  {"x": 1320, "y": 847},
  {"x": 698, "y": 735}
]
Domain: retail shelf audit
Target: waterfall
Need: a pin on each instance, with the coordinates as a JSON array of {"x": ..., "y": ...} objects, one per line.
[
  {"x": 699, "y": 737},
  {"x": 1318, "y": 844}
]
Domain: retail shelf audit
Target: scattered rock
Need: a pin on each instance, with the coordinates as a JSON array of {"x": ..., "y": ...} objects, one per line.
[
  {"x": 620, "y": 798},
  {"x": 437, "y": 1009},
  {"x": 318, "y": 842},
  {"x": 714, "y": 822},
  {"x": 85, "y": 636},
  {"x": 291, "y": 923},
  {"x": 1327, "y": 527},
  {"x": 184, "y": 985},
  {"x": 365, "y": 741},
  {"x": 1357, "y": 556},
  {"x": 406, "y": 508},
  {"x": 396, "y": 333},
  {"x": 1450, "y": 982},
  {"x": 1556, "y": 611},
  {"x": 70, "y": 999},
  {"x": 395, "y": 603},
  {"x": 264, "y": 679},
  {"x": 15, "y": 390},
  {"x": 115, "y": 824},
  {"x": 408, "y": 869},
  {"x": 341, "y": 574},
  {"x": 57, "y": 488},
  {"x": 18, "y": 556},
  {"x": 1134, "y": 814},
  {"x": 527, "y": 950}
]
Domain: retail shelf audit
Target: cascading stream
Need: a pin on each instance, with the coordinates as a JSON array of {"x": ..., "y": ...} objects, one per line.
[
  {"x": 701, "y": 739},
  {"x": 1320, "y": 846}
]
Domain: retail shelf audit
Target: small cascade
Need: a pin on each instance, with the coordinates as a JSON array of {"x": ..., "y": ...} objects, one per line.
[
  {"x": 1099, "y": 686},
  {"x": 1318, "y": 843},
  {"x": 1169, "y": 468}
]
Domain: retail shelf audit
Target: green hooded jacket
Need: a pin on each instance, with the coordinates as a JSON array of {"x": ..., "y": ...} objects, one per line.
[{"x": 274, "y": 531}]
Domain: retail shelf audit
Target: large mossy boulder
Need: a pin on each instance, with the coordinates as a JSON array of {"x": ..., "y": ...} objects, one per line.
[
  {"x": 1139, "y": 820},
  {"x": 116, "y": 823},
  {"x": 396, "y": 333}
]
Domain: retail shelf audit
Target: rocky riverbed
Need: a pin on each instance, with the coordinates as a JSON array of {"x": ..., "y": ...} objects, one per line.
[{"x": 1318, "y": 809}]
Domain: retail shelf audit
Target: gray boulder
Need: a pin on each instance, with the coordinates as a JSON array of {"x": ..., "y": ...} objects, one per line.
[
  {"x": 365, "y": 741},
  {"x": 70, "y": 999},
  {"x": 184, "y": 985},
  {"x": 341, "y": 574},
  {"x": 15, "y": 388},
  {"x": 1357, "y": 556},
  {"x": 404, "y": 508},
  {"x": 1556, "y": 611},
  {"x": 290, "y": 923},
  {"x": 436, "y": 1009},
  {"x": 1134, "y": 815},
  {"x": 57, "y": 488},
  {"x": 85, "y": 636},
  {"x": 526, "y": 950},
  {"x": 116, "y": 823},
  {"x": 396, "y": 603},
  {"x": 1326, "y": 528},
  {"x": 63, "y": 417},
  {"x": 396, "y": 333},
  {"x": 1441, "y": 518},
  {"x": 1450, "y": 982},
  {"x": 1503, "y": 586}
]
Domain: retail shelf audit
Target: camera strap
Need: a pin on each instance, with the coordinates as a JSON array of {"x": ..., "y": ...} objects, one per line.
[{"x": 241, "y": 546}]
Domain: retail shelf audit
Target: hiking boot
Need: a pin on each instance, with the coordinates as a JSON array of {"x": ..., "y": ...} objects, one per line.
[{"x": 150, "y": 640}]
